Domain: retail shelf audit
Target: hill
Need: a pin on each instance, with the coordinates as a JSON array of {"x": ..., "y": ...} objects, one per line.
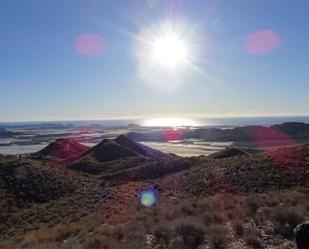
[
  {"x": 192, "y": 177},
  {"x": 34, "y": 195},
  {"x": 229, "y": 152},
  {"x": 121, "y": 147},
  {"x": 64, "y": 148},
  {"x": 281, "y": 169},
  {"x": 109, "y": 150},
  {"x": 140, "y": 149},
  {"x": 120, "y": 155}
]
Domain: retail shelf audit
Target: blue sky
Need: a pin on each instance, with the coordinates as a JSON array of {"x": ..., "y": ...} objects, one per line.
[{"x": 44, "y": 77}]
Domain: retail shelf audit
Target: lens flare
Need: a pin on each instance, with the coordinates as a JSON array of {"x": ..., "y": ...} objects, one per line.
[
  {"x": 149, "y": 197},
  {"x": 90, "y": 45},
  {"x": 174, "y": 134},
  {"x": 262, "y": 42}
]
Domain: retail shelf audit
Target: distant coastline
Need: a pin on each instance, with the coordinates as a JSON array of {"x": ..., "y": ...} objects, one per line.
[
  {"x": 207, "y": 122},
  {"x": 28, "y": 137}
]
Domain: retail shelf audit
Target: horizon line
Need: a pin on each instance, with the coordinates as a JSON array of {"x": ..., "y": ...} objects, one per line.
[{"x": 119, "y": 118}]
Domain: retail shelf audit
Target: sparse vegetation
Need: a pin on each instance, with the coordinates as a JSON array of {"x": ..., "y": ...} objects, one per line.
[
  {"x": 217, "y": 236},
  {"x": 200, "y": 205},
  {"x": 286, "y": 219},
  {"x": 252, "y": 239},
  {"x": 238, "y": 227},
  {"x": 151, "y": 229}
]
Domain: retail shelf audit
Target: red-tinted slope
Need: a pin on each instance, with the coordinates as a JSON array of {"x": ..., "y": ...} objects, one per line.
[
  {"x": 63, "y": 148},
  {"x": 293, "y": 160}
]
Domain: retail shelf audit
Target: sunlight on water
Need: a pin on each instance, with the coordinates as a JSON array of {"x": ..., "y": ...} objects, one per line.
[{"x": 170, "y": 122}]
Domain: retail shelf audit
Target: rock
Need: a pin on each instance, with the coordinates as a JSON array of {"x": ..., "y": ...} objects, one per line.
[{"x": 302, "y": 235}]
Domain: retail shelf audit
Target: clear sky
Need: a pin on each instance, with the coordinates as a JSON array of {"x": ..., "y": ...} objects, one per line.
[{"x": 87, "y": 59}]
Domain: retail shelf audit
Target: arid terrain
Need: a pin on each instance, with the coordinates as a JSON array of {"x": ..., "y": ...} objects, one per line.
[
  {"x": 69, "y": 196},
  {"x": 154, "y": 124}
]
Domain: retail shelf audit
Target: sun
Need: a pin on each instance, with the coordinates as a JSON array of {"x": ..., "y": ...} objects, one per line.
[
  {"x": 166, "y": 53},
  {"x": 169, "y": 50}
]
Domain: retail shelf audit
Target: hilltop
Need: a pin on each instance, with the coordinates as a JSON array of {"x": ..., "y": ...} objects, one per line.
[
  {"x": 121, "y": 147},
  {"x": 120, "y": 153},
  {"x": 64, "y": 148}
]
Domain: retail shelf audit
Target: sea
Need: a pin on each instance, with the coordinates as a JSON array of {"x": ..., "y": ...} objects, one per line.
[{"x": 213, "y": 122}]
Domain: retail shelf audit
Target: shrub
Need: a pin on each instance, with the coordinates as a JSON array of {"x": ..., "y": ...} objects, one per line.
[
  {"x": 97, "y": 244},
  {"x": 252, "y": 203},
  {"x": 119, "y": 233},
  {"x": 238, "y": 228},
  {"x": 279, "y": 215},
  {"x": 134, "y": 239},
  {"x": 231, "y": 214},
  {"x": 216, "y": 235},
  {"x": 252, "y": 239},
  {"x": 163, "y": 236},
  {"x": 211, "y": 218},
  {"x": 286, "y": 219},
  {"x": 188, "y": 210},
  {"x": 192, "y": 235},
  {"x": 272, "y": 202},
  {"x": 294, "y": 216},
  {"x": 266, "y": 211},
  {"x": 240, "y": 210},
  {"x": 228, "y": 201},
  {"x": 204, "y": 203}
]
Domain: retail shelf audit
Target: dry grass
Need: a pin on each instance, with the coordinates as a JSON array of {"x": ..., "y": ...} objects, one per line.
[
  {"x": 217, "y": 236},
  {"x": 286, "y": 219},
  {"x": 205, "y": 224},
  {"x": 191, "y": 235},
  {"x": 253, "y": 239},
  {"x": 238, "y": 228}
]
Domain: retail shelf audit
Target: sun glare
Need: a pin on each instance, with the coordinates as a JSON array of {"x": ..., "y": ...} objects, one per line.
[
  {"x": 169, "y": 122},
  {"x": 169, "y": 50},
  {"x": 166, "y": 53}
]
